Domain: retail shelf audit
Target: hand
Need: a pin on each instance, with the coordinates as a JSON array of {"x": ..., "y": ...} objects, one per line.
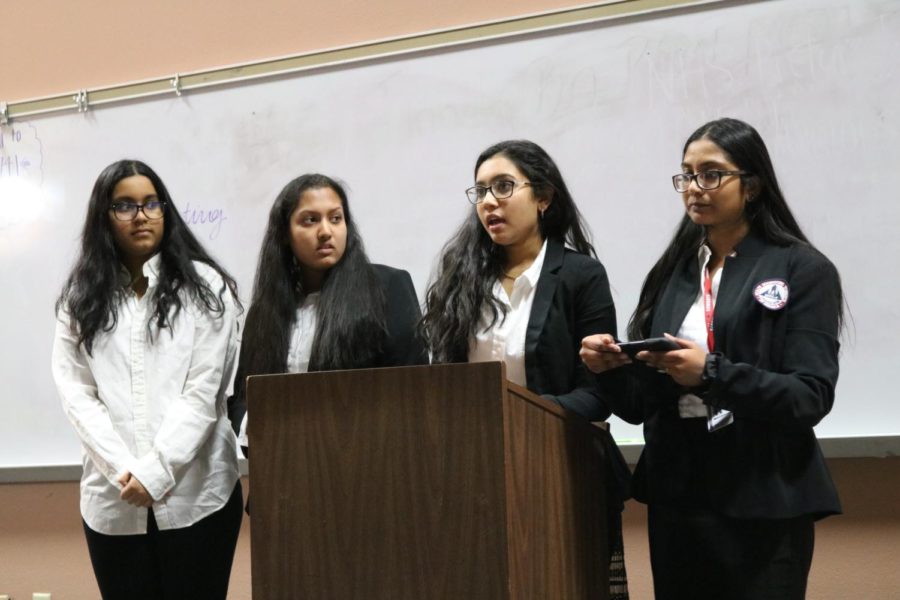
[
  {"x": 133, "y": 491},
  {"x": 600, "y": 353},
  {"x": 684, "y": 365}
]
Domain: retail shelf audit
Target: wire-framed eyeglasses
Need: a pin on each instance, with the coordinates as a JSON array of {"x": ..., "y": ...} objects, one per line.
[
  {"x": 500, "y": 189},
  {"x": 128, "y": 211},
  {"x": 706, "y": 180}
]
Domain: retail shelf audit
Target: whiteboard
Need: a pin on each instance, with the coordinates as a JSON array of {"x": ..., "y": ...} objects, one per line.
[{"x": 612, "y": 103}]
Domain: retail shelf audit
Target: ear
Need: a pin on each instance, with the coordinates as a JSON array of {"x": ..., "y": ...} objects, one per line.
[
  {"x": 751, "y": 188},
  {"x": 545, "y": 201}
]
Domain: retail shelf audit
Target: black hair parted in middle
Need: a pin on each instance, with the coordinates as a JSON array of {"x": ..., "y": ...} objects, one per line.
[
  {"x": 93, "y": 289},
  {"x": 350, "y": 330},
  {"x": 766, "y": 211},
  {"x": 470, "y": 262}
]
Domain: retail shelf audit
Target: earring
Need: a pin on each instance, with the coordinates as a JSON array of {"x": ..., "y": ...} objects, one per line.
[{"x": 542, "y": 214}]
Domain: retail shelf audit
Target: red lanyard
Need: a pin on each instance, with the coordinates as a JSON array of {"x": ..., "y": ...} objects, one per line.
[{"x": 708, "y": 308}]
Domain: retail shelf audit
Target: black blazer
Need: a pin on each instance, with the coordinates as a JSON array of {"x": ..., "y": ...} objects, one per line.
[
  {"x": 403, "y": 346},
  {"x": 777, "y": 372},
  {"x": 572, "y": 300}
]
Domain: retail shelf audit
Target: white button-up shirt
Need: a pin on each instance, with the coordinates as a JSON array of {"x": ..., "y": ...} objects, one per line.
[
  {"x": 505, "y": 341},
  {"x": 300, "y": 349},
  {"x": 154, "y": 408},
  {"x": 693, "y": 328}
]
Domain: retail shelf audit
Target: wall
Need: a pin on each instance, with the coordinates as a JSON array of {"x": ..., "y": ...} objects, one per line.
[
  {"x": 42, "y": 546},
  {"x": 51, "y": 47}
]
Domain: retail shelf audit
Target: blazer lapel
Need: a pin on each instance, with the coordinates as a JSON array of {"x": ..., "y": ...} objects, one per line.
[
  {"x": 677, "y": 299},
  {"x": 543, "y": 298},
  {"x": 735, "y": 279}
]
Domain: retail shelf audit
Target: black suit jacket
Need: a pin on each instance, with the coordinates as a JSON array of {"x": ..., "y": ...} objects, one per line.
[
  {"x": 402, "y": 346},
  {"x": 572, "y": 301},
  {"x": 777, "y": 373}
]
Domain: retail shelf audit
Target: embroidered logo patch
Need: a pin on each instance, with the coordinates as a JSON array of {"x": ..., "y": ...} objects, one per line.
[{"x": 773, "y": 293}]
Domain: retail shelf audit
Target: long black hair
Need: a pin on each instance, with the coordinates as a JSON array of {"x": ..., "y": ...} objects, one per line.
[
  {"x": 470, "y": 262},
  {"x": 767, "y": 212},
  {"x": 94, "y": 287},
  {"x": 350, "y": 329}
]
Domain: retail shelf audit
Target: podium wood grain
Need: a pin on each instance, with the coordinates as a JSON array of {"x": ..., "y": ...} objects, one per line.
[{"x": 438, "y": 482}]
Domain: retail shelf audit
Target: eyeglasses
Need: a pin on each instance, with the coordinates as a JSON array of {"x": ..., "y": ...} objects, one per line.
[
  {"x": 706, "y": 180},
  {"x": 500, "y": 189},
  {"x": 127, "y": 211}
]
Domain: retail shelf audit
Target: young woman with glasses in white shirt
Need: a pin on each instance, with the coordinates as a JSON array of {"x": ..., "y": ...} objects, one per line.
[
  {"x": 144, "y": 350},
  {"x": 318, "y": 303},
  {"x": 519, "y": 282}
]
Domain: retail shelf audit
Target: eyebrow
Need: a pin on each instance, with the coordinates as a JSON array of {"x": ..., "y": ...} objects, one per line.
[
  {"x": 318, "y": 212},
  {"x": 706, "y": 165},
  {"x": 147, "y": 198},
  {"x": 496, "y": 177}
]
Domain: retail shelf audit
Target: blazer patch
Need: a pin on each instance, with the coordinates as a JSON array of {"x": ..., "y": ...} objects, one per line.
[{"x": 772, "y": 293}]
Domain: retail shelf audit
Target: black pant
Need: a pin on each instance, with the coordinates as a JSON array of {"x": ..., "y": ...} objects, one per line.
[
  {"x": 189, "y": 563},
  {"x": 699, "y": 555}
]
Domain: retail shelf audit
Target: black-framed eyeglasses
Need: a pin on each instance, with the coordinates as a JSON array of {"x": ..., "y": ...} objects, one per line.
[
  {"x": 500, "y": 189},
  {"x": 127, "y": 211},
  {"x": 706, "y": 180}
]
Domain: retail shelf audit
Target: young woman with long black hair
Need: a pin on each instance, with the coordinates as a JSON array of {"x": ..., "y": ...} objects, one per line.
[
  {"x": 731, "y": 472},
  {"x": 144, "y": 351},
  {"x": 318, "y": 303},
  {"x": 508, "y": 288}
]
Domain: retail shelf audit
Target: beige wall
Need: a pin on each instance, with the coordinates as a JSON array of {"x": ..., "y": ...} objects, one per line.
[
  {"x": 52, "y": 47},
  {"x": 42, "y": 546}
]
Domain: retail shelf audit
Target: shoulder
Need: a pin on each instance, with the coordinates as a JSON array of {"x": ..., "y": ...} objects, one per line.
[
  {"x": 581, "y": 266},
  {"x": 802, "y": 259},
  {"x": 207, "y": 272},
  {"x": 806, "y": 255},
  {"x": 389, "y": 276},
  {"x": 214, "y": 280}
]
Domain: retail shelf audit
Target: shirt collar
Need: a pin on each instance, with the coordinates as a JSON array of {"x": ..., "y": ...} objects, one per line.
[
  {"x": 533, "y": 273},
  {"x": 150, "y": 270},
  {"x": 704, "y": 253}
]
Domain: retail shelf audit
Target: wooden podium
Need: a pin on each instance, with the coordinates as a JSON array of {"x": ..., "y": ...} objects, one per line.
[{"x": 433, "y": 482}]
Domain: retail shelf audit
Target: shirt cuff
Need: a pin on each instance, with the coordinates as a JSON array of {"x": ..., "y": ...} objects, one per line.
[
  {"x": 153, "y": 475},
  {"x": 243, "y": 440}
]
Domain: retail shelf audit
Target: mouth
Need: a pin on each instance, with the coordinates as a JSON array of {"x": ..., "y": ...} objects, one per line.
[
  {"x": 141, "y": 232},
  {"x": 494, "y": 222},
  {"x": 325, "y": 249}
]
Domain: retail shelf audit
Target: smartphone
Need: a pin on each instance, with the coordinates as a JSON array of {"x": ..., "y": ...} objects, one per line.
[{"x": 658, "y": 344}]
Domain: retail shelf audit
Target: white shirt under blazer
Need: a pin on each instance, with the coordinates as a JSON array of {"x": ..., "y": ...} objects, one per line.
[
  {"x": 155, "y": 408},
  {"x": 505, "y": 341}
]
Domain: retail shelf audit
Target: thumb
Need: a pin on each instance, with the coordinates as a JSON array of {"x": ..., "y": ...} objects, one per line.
[{"x": 681, "y": 342}]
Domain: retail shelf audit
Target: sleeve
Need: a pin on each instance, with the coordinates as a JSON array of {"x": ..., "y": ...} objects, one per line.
[
  {"x": 82, "y": 405},
  {"x": 190, "y": 420},
  {"x": 404, "y": 345},
  {"x": 801, "y": 392},
  {"x": 593, "y": 312},
  {"x": 635, "y": 391}
]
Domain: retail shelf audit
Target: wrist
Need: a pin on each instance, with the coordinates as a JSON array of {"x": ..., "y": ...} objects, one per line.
[{"x": 710, "y": 368}]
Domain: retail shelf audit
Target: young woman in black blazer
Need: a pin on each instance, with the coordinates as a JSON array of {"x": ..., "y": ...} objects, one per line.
[
  {"x": 318, "y": 303},
  {"x": 507, "y": 288},
  {"x": 731, "y": 472}
]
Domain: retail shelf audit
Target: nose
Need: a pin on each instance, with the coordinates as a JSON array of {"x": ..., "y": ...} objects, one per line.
[
  {"x": 324, "y": 229},
  {"x": 140, "y": 217},
  {"x": 489, "y": 193},
  {"x": 694, "y": 187}
]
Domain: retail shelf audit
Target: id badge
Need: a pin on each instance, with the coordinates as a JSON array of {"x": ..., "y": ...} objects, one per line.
[{"x": 718, "y": 419}]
